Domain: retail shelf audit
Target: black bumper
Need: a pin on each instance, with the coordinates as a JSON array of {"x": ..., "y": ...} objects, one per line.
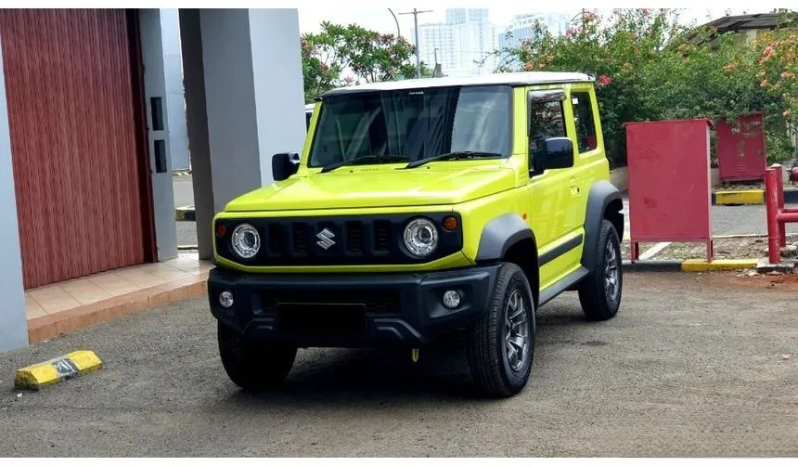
[{"x": 349, "y": 310}]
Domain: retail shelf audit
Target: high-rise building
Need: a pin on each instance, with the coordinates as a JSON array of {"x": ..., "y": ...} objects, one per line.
[
  {"x": 522, "y": 28},
  {"x": 465, "y": 37}
]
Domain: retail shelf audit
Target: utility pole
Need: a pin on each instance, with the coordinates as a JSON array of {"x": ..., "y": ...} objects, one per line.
[
  {"x": 396, "y": 20},
  {"x": 415, "y": 14}
]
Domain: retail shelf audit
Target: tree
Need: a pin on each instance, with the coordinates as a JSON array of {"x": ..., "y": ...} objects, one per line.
[
  {"x": 649, "y": 67},
  {"x": 370, "y": 55}
]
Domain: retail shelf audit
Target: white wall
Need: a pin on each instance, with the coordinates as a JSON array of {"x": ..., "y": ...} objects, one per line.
[
  {"x": 173, "y": 76},
  {"x": 13, "y": 318},
  {"x": 152, "y": 50},
  {"x": 245, "y": 101}
]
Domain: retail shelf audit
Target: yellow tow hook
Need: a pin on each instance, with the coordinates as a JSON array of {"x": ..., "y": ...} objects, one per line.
[{"x": 414, "y": 354}]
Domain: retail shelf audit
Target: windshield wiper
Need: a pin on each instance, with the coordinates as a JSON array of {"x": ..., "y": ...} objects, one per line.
[
  {"x": 364, "y": 159},
  {"x": 465, "y": 154}
]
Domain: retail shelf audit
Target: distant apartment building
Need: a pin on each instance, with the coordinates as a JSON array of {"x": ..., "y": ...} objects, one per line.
[
  {"x": 522, "y": 28},
  {"x": 465, "y": 37}
]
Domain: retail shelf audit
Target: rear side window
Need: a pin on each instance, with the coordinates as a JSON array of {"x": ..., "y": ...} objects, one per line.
[{"x": 583, "y": 122}]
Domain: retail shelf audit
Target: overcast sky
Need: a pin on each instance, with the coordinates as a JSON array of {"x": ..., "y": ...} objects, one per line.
[{"x": 380, "y": 19}]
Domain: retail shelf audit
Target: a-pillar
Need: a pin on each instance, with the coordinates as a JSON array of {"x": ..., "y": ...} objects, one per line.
[
  {"x": 244, "y": 102},
  {"x": 13, "y": 318}
]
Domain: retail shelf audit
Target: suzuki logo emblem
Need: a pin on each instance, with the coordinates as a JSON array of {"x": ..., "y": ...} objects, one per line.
[{"x": 325, "y": 237}]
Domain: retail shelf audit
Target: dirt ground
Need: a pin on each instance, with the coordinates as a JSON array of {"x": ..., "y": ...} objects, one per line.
[
  {"x": 725, "y": 248},
  {"x": 694, "y": 365}
]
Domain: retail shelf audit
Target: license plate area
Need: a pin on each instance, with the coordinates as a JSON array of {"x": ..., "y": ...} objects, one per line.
[{"x": 327, "y": 320}]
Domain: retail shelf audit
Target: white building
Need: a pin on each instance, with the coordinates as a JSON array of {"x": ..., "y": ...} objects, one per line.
[{"x": 465, "y": 37}]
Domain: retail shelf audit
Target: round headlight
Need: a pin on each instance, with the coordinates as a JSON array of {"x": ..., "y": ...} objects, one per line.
[
  {"x": 421, "y": 237},
  {"x": 246, "y": 241}
]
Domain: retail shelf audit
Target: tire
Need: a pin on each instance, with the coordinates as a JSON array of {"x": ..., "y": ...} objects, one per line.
[
  {"x": 599, "y": 300},
  {"x": 253, "y": 367},
  {"x": 491, "y": 368}
]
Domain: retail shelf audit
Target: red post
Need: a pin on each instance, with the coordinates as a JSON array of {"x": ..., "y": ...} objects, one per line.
[{"x": 772, "y": 202}]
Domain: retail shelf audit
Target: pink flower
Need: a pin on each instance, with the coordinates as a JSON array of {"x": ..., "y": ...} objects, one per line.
[
  {"x": 349, "y": 80},
  {"x": 787, "y": 113},
  {"x": 604, "y": 80},
  {"x": 787, "y": 75},
  {"x": 645, "y": 11},
  {"x": 529, "y": 66},
  {"x": 764, "y": 83},
  {"x": 569, "y": 32}
]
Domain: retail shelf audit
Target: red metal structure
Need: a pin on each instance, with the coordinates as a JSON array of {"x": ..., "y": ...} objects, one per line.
[
  {"x": 777, "y": 214},
  {"x": 670, "y": 195},
  {"x": 76, "y": 123},
  {"x": 741, "y": 148}
]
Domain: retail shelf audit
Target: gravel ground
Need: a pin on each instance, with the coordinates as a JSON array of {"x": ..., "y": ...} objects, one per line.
[{"x": 693, "y": 365}]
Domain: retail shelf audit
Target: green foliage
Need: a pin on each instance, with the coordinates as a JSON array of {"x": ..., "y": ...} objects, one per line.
[
  {"x": 649, "y": 67},
  {"x": 371, "y": 56}
]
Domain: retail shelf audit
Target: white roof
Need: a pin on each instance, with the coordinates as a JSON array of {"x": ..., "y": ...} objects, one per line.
[{"x": 516, "y": 79}]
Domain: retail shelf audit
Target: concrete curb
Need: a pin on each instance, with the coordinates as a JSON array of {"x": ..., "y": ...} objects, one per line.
[
  {"x": 749, "y": 197},
  {"x": 47, "y": 327},
  {"x": 185, "y": 214},
  {"x": 743, "y": 197},
  {"x": 691, "y": 265},
  {"x": 75, "y": 364}
]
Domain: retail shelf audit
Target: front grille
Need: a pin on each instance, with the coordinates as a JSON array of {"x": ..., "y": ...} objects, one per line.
[
  {"x": 376, "y": 301},
  {"x": 355, "y": 240}
]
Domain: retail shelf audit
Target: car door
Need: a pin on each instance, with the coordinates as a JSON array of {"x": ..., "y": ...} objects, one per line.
[
  {"x": 589, "y": 152},
  {"x": 548, "y": 190}
]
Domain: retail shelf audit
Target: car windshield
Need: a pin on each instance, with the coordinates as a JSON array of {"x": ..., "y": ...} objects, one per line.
[{"x": 410, "y": 125}]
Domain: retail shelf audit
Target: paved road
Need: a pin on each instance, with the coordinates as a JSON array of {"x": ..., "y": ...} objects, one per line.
[{"x": 680, "y": 372}]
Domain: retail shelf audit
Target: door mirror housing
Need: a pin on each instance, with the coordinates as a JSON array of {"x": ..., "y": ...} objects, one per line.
[
  {"x": 556, "y": 153},
  {"x": 284, "y": 165}
]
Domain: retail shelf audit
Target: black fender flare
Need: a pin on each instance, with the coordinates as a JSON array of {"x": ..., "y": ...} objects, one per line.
[
  {"x": 500, "y": 234},
  {"x": 601, "y": 194}
]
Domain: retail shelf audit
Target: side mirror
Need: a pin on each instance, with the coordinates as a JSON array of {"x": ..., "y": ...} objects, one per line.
[
  {"x": 556, "y": 153},
  {"x": 284, "y": 165}
]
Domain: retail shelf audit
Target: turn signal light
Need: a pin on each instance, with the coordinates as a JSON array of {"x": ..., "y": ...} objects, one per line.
[
  {"x": 450, "y": 223},
  {"x": 221, "y": 229}
]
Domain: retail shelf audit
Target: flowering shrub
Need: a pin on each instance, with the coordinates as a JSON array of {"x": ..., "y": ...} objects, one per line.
[{"x": 648, "y": 67}]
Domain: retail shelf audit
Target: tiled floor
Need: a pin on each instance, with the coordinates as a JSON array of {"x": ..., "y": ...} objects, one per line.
[{"x": 65, "y": 296}]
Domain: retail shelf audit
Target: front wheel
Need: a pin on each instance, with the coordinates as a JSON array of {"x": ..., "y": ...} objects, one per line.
[
  {"x": 600, "y": 292},
  {"x": 501, "y": 345},
  {"x": 250, "y": 366}
]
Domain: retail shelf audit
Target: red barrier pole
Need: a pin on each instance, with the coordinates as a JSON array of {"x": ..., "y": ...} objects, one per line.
[{"x": 772, "y": 181}]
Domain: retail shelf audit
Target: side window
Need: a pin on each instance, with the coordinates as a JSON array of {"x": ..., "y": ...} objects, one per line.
[
  {"x": 548, "y": 121},
  {"x": 583, "y": 122}
]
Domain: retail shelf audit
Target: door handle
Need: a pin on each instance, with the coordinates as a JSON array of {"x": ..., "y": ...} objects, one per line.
[{"x": 574, "y": 187}]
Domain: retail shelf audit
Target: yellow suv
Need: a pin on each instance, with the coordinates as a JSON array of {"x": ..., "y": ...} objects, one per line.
[{"x": 420, "y": 208}]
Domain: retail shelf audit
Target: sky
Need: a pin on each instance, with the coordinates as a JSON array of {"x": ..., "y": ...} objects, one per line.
[{"x": 381, "y": 20}]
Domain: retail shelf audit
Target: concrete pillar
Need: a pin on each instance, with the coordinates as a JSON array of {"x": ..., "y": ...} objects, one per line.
[
  {"x": 13, "y": 318},
  {"x": 245, "y": 102},
  {"x": 158, "y": 132},
  {"x": 173, "y": 75}
]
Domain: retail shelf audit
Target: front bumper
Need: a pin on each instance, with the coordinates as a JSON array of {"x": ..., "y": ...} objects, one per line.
[{"x": 349, "y": 310}]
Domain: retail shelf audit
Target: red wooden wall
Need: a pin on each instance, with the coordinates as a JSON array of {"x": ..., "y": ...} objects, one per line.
[{"x": 76, "y": 141}]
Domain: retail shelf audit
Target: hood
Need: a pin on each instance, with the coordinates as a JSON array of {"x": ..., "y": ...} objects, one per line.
[{"x": 363, "y": 187}]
